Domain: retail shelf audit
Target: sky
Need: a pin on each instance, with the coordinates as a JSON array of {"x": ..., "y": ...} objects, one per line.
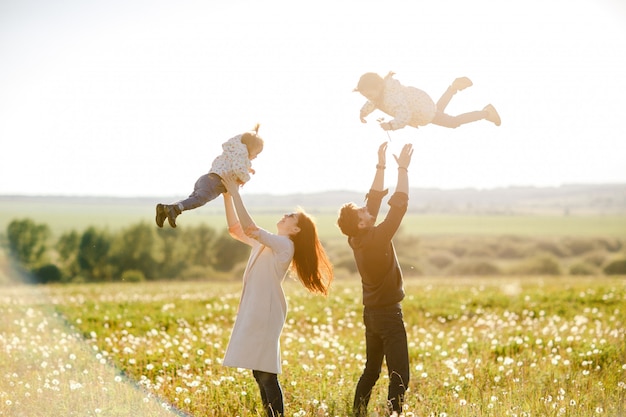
[{"x": 135, "y": 97}]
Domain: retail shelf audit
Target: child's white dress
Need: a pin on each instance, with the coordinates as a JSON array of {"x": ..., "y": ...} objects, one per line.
[{"x": 407, "y": 105}]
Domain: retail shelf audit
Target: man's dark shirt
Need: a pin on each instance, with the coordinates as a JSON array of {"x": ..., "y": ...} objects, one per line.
[{"x": 375, "y": 255}]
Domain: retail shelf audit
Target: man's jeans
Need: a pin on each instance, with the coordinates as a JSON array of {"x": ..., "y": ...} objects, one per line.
[{"x": 385, "y": 336}]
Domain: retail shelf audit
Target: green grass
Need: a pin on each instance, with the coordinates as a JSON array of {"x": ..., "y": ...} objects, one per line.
[
  {"x": 478, "y": 347},
  {"x": 62, "y": 218}
]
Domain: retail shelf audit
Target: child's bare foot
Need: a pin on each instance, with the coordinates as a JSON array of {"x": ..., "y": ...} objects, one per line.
[
  {"x": 462, "y": 83},
  {"x": 492, "y": 114}
]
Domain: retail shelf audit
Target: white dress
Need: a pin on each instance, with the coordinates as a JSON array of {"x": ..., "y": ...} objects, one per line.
[
  {"x": 255, "y": 340},
  {"x": 407, "y": 105}
]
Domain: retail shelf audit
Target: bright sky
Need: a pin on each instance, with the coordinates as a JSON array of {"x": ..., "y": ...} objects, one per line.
[{"x": 134, "y": 98}]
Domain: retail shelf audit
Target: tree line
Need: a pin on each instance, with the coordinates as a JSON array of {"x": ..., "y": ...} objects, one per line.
[
  {"x": 139, "y": 252},
  {"x": 143, "y": 252}
]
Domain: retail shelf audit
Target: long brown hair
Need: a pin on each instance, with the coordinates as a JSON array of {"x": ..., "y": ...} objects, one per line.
[{"x": 310, "y": 261}]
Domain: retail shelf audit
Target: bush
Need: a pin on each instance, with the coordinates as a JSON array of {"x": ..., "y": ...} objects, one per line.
[
  {"x": 617, "y": 267},
  {"x": 511, "y": 251},
  {"x": 440, "y": 259},
  {"x": 579, "y": 246},
  {"x": 479, "y": 251},
  {"x": 551, "y": 248},
  {"x": 347, "y": 262},
  {"x": 540, "y": 265},
  {"x": 596, "y": 258},
  {"x": 582, "y": 268},
  {"x": 133, "y": 275},
  {"x": 409, "y": 267},
  {"x": 474, "y": 267},
  {"x": 611, "y": 244},
  {"x": 48, "y": 273}
]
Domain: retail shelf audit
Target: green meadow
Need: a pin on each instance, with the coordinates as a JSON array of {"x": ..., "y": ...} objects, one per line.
[
  {"x": 507, "y": 315},
  {"x": 66, "y": 217},
  {"x": 524, "y": 346}
]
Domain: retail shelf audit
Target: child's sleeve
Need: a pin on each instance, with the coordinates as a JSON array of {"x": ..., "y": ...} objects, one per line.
[{"x": 367, "y": 109}]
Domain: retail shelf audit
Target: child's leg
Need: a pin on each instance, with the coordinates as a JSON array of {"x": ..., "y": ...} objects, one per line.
[
  {"x": 457, "y": 85},
  {"x": 208, "y": 187},
  {"x": 445, "y": 120},
  {"x": 489, "y": 113}
]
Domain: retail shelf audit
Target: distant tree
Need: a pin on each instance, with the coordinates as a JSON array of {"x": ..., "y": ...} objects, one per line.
[
  {"x": 173, "y": 253},
  {"x": 135, "y": 249},
  {"x": 198, "y": 244},
  {"x": 67, "y": 250},
  {"x": 228, "y": 252},
  {"x": 28, "y": 242},
  {"x": 616, "y": 267},
  {"x": 93, "y": 252}
]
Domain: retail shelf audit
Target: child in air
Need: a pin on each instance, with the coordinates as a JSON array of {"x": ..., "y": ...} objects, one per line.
[
  {"x": 410, "y": 106},
  {"x": 235, "y": 160}
]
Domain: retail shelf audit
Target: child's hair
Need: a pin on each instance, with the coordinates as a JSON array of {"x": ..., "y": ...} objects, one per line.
[
  {"x": 348, "y": 220},
  {"x": 252, "y": 140},
  {"x": 310, "y": 261},
  {"x": 369, "y": 81}
]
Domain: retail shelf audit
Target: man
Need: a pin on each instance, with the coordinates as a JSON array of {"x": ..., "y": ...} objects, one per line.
[{"x": 381, "y": 279}]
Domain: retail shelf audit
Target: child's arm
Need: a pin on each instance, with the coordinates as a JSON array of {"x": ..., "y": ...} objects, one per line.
[{"x": 366, "y": 110}]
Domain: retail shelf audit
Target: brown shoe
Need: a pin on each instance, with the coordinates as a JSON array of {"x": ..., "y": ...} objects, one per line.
[
  {"x": 492, "y": 114},
  {"x": 172, "y": 212},
  {"x": 160, "y": 215}
]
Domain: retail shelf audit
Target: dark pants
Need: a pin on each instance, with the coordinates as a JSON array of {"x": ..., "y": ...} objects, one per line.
[
  {"x": 385, "y": 336},
  {"x": 271, "y": 393},
  {"x": 208, "y": 187}
]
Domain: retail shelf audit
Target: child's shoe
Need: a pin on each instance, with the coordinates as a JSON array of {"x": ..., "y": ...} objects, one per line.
[
  {"x": 492, "y": 114},
  {"x": 172, "y": 212},
  {"x": 462, "y": 83},
  {"x": 160, "y": 215}
]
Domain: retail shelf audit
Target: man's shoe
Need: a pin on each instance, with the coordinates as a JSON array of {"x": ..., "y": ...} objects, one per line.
[
  {"x": 492, "y": 114},
  {"x": 172, "y": 211},
  {"x": 160, "y": 215}
]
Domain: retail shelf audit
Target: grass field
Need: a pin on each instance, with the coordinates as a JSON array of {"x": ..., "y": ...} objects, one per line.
[
  {"x": 66, "y": 218},
  {"x": 478, "y": 347}
]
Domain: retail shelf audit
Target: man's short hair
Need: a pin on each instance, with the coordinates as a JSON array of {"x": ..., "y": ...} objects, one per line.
[{"x": 348, "y": 220}]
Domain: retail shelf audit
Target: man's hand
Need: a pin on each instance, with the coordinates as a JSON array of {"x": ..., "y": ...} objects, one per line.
[
  {"x": 405, "y": 156},
  {"x": 386, "y": 126},
  {"x": 382, "y": 151}
]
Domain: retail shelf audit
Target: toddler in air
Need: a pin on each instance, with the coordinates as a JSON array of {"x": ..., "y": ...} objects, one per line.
[
  {"x": 235, "y": 160},
  {"x": 410, "y": 106}
]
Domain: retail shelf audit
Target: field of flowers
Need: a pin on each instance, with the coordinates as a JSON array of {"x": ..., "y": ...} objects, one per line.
[{"x": 478, "y": 347}]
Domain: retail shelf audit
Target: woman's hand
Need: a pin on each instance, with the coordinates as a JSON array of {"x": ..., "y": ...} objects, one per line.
[{"x": 231, "y": 184}]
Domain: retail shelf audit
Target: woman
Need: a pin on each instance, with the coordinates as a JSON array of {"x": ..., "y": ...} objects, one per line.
[{"x": 254, "y": 342}]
